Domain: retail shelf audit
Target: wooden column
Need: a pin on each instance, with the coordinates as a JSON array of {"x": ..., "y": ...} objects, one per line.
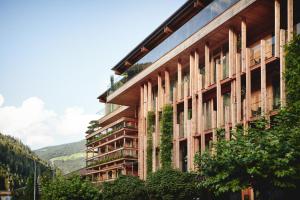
[
  {"x": 175, "y": 130},
  {"x": 141, "y": 135},
  {"x": 231, "y": 52},
  {"x": 248, "y": 86},
  {"x": 159, "y": 92},
  {"x": 179, "y": 80},
  {"x": 277, "y": 26},
  {"x": 197, "y": 72},
  {"x": 185, "y": 107},
  {"x": 232, "y": 67},
  {"x": 207, "y": 65},
  {"x": 157, "y": 136},
  {"x": 238, "y": 90},
  {"x": 167, "y": 87},
  {"x": 192, "y": 63},
  {"x": 200, "y": 111},
  {"x": 149, "y": 96},
  {"x": 194, "y": 129},
  {"x": 219, "y": 95},
  {"x": 243, "y": 44},
  {"x": 282, "y": 69},
  {"x": 145, "y": 128},
  {"x": 263, "y": 82},
  {"x": 227, "y": 129},
  {"x": 290, "y": 20}
]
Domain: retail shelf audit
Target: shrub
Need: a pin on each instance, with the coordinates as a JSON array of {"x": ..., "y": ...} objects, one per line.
[{"x": 124, "y": 188}]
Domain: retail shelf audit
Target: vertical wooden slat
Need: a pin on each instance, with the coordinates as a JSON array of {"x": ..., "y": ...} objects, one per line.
[
  {"x": 141, "y": 134},
  {"x": 179, "y": 80},
  {"x": 200, "y": 108},
  {"x": 219, "y": 102},
  {"x": 167, "y": 87},
  {"x": 248, "y": 86},
  {"x": 243, "y": 43},
  {"x": 175, "y": 131},
  {"x": 149, "y": 96},
  {"x": 264, "y": 99},
  {"x": 282, "y": 69},
  {"x": 238, "y": 90},
  {"x": 231, "y": 46},
  {"x": 192, "y": 63},
  {"x": 145, "y": 128},
  {"x": 159, "y": 91},
  {"x": 227, "y": 129},
  {"x": 207, "y": 65},
  {"x": 197, "y": 71},
  {"x": 277, "y": 26},
  {"x": 185, "y": 106},
  {"x": 290, "y": 20}
]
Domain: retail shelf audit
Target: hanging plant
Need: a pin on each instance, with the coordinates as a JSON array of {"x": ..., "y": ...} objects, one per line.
[
  {"x": 166, "y": 136},
  {"x": 150, "y": 130}
]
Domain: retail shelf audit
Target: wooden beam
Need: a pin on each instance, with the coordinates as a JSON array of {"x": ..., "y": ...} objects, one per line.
[
  {"x": 144, "y": 50},
  {"x": 198, "y": 4},
  {"x": 141, "y": 134},
  {"x": 168, "y": 30},
  {"x": 127, "y": 63},
  {"x": 277, "y": 26},
  {"x": 207, "y": 65},
  {"x": 290, "y": 20},
  {"x": 263, "y": 82},
  {"x": 243, "y": 43},
  {"x": 185, "y": 106},
  {"x": 282, "y": 69},
  {"x": 179, "y": 80}
]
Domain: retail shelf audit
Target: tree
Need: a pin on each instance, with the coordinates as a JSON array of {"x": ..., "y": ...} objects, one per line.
[
  {"x": 62, "y": 188},
  {"x": 125, "y": 188},
  {"x": 170, "y": 184}
]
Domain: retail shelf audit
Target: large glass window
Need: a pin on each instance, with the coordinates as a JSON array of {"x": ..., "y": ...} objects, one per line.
[{"x": 197, "y": 22}]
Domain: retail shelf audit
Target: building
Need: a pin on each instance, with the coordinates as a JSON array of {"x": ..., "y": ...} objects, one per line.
[{"x": 218, "y": 63}]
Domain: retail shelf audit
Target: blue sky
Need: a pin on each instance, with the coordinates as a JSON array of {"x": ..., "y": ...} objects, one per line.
[{"x": 57, "y": 55}]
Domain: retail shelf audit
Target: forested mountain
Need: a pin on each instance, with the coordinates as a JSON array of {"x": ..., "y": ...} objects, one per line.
[
  {"x": 17, "y": 163},
  {"x": 67, "y": 157}
]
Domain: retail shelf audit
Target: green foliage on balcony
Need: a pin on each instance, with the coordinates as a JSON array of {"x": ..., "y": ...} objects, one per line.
[
  {"x": 150, "y": 130},
  {"x": 166, "y": 136}
]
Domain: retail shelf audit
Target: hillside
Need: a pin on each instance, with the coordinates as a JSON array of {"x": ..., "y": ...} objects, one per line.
[
  {"x": 67, "y": 157},
  {"x": 17, "y": 163}
]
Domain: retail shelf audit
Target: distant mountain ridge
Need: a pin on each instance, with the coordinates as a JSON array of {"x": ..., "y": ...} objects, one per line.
[{"x": 67, "y": 157}]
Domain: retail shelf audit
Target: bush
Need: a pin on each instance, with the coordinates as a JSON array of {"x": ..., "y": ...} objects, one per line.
[
  {"x": 124, "y": 188},
  {"x": 170, "y": 184},
  {"x": 74, "y": 188}
]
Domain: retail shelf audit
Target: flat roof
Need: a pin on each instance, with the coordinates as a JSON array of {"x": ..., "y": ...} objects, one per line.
[{"x": 174, "y": 22}]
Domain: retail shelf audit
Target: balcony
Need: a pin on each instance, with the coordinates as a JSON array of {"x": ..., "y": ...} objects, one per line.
[
  {"x": 206, "y": 15},
  {"x": 121, "y": 153},
  {"x": 122, "y": 124}
]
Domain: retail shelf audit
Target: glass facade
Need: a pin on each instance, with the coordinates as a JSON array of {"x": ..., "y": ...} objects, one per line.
[{"x": 197, "y": 22}]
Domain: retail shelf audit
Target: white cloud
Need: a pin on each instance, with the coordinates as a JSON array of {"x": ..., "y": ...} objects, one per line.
[
  {"x": 38, "y": 126},
  {"x": 1, "y": 100}
]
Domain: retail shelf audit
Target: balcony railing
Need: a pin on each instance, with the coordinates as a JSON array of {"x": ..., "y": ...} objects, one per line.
[
  {"x": 111, "y": 130},
  {"x": 255, "y": 50},
  {"x": 206, "y": 15},
  {"x": 122, "y": 153}
]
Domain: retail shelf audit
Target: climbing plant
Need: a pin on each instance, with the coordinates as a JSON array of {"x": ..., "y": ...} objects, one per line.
[
  {"x": 166, "y": 136},
  {"x": 150, "y": 130}
]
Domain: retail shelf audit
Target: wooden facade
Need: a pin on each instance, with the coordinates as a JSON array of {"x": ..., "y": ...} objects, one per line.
[{"x": 230, "y": 75}]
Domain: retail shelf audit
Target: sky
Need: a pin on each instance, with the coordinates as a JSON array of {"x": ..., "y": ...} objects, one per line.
[{"x": 56, "y": 58}]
